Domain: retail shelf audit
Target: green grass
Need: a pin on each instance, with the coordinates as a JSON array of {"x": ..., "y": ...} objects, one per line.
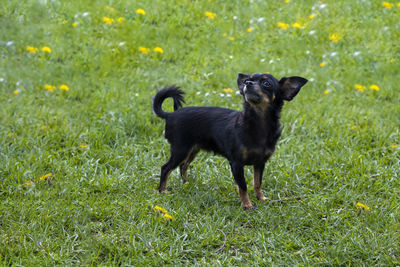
[{"x": 339, "y": 146}]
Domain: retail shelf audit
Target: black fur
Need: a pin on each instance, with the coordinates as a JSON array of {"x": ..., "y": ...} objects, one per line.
[
  {"x": 172, "y": 91},
  {"x": 245, "y": 137}
]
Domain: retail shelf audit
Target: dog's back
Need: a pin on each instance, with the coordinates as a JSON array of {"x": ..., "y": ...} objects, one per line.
[{"x": 202, "y": 126}]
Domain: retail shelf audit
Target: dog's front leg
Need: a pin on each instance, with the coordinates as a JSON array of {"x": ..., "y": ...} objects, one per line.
[
  {"x": 238, "y": 174},
  {"x": 257, "y": 179}
]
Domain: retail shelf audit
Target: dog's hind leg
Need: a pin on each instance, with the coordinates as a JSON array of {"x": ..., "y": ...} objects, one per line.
[
  {"x": 178, "y": 155},
  {"x": 238, "y": 174},
  {"x": 185, "y": 164}
]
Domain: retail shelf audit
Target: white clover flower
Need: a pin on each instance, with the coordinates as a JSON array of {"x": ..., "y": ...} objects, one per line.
[{"x": 322, "y": 6}]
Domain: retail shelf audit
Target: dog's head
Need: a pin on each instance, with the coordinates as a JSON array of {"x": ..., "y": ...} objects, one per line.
[{"x": 260, "y": 89}]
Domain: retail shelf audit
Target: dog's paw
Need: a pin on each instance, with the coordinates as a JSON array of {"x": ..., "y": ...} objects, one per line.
[
  {"x": 247, "y": 206},
  {"x": 260, "y": 195},
  {"x": 262, "y": 198}
]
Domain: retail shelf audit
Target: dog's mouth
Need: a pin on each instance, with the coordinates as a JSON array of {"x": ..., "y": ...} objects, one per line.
[{"x": 253, "y": 98}]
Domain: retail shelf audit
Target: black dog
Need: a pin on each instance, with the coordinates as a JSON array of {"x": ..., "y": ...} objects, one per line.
[{"x": 245, "y": 137}]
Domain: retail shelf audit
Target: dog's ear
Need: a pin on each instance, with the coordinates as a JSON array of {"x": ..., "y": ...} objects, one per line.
[
  {"x": 240, "y": 81},
  {"x": 290, "y": 86}
]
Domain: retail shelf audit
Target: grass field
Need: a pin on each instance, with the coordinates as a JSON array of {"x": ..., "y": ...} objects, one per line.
[{"x": 81, "y": 149}]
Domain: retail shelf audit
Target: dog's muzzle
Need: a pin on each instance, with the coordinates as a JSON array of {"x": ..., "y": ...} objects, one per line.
[{"x": 250, "y": 95}]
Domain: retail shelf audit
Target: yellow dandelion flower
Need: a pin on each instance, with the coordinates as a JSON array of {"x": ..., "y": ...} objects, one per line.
[
  {"x": 83, "y": 146},
  {"x": 31, "y": 49},
  {"x": 64, "y": 87},
  {"x": 231, "y": 38},
  {"x": 363, "y": 206},
  {"x": 297, "y": 25},
  {"x": 394, "y": 146},
  {"x": 120, "y": 19},
  {"x": 327, "y": 92},
  {"x": 108, "y": 20},
  {"x": 74, "y": 24},
  {"x": 249, "y": 29},
  {"x": 16, "y": 92},
  {"x": 334, "y": 37},
  {"x": 387, "y": 5},
  {"x": 283, "y": 26},
  {"x": 46, "y": 49},
  {"x": 322, "y": 64},
  {"x": 49, "y": 87},
  {"x": 140, "y": 11},
  {"x": 210, "y": 15},
  {"x": 158, "y": 50},
  {"x": 158, "y": 208},
  {"x": 398, "y": 4},
  {"x": 359, "y": 87},
  {"x": 287, "y": 1},
  {"x": 311, "y": 16},
  {"x": 169, "y": 217},
  {"x": 374, "y": 87},
  {"x": 28, "y": 183},
  {"x": 144, "y": 50},
  {"x": 228, "y": 90},
  {"x": 44, "y": 177}
]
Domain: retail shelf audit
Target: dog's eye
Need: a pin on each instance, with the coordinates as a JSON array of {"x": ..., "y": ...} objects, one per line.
[{"x": 267, "y": 84}]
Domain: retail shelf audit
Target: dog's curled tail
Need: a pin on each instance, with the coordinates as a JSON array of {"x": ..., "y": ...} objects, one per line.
[{"x": 171, "y": 91}]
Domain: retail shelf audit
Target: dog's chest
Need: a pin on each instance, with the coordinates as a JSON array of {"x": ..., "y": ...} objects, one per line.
[
  {"x": 259, "y": 151},
  {"x": 253, "y": 155}
]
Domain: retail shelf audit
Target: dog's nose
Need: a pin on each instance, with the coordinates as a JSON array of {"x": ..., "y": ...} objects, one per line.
[{"x": 248, "y": 83}]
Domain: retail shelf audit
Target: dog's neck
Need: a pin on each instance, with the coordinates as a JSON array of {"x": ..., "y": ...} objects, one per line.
[{"x": 264, "y": 122}]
